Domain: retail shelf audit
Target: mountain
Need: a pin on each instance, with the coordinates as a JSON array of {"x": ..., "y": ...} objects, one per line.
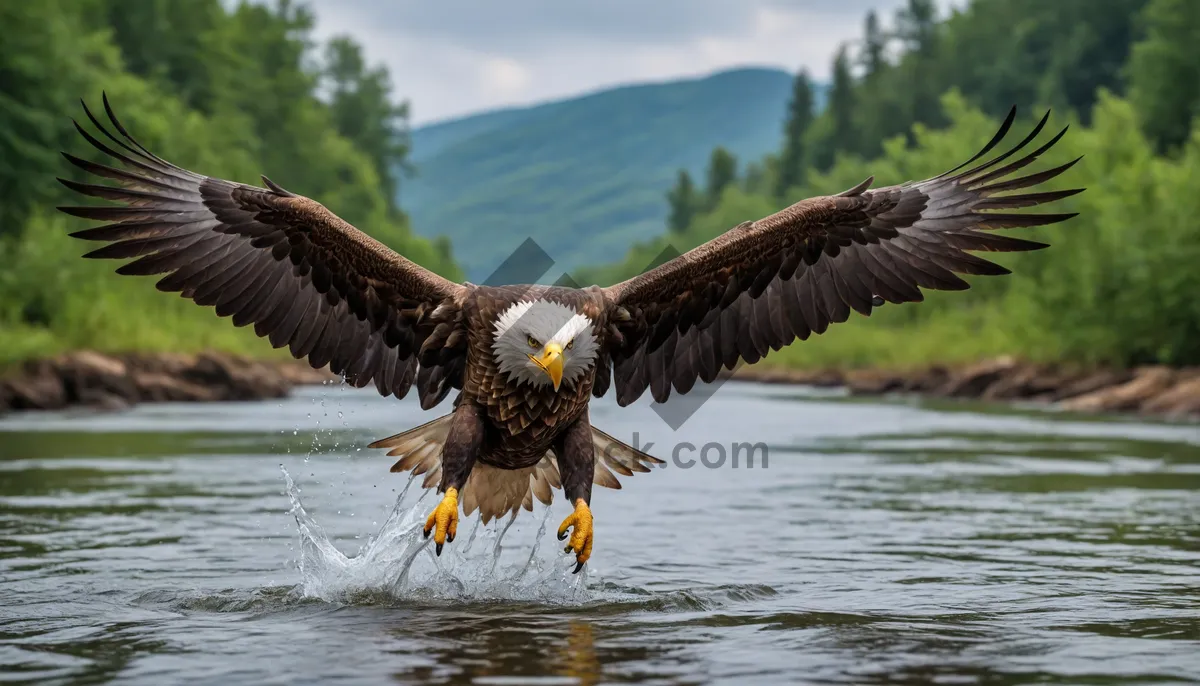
[{"x": 584, "y": 177}]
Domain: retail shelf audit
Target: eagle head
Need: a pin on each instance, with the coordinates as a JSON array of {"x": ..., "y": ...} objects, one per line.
[{"x": 544, "y": 343}]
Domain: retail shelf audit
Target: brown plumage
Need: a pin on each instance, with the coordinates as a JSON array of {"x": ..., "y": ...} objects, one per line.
[{"x": 307, "y": 280}]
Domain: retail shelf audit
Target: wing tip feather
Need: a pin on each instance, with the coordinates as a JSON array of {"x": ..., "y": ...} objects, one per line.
[
  {"x": 859, "y": 189},
  {"x": 276, "y": 188}
]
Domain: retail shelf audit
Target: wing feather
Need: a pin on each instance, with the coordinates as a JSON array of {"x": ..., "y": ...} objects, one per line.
[
  {"x": 766, "y": 283},
  {"x": 305, "y": 279}
]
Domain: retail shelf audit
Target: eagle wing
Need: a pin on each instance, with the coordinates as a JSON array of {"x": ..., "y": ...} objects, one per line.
[
  {"x": 765, "y": 283},
  {"x": 301, "y": 275}
]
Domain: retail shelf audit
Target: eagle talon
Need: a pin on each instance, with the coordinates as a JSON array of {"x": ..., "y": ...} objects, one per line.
[
  {"x": 581, "y": 537},
  {"x": 443, "y": 521}
]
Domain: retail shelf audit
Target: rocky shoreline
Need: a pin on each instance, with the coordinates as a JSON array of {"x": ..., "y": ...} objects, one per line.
[
  {"x": 113, "y": 382},
  {"x": 1156, "y": 391}
]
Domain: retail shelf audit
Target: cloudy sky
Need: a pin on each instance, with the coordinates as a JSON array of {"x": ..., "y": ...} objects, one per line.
[{"x": 453, "y": 57}]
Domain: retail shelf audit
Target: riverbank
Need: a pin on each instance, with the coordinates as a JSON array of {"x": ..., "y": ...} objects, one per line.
[
  {"x": 113, "y": 382},
  {"x": 1158, "y": 391}
]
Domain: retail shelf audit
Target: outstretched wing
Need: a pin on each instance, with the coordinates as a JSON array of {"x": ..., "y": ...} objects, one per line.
[
  {"x": 765, "y": 283},
  {"x": 302, "y": 276}
]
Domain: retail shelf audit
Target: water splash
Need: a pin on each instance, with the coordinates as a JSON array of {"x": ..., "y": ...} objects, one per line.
[{"x": 398, "y": 562}]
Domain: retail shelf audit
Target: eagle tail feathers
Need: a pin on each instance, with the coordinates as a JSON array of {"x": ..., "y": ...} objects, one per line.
[{"x": 496, "y": 492}]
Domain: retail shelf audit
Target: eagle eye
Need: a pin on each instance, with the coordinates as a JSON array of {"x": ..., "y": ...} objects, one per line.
[
  {"x": 570, "y": 343},
  {"x": 533, "y": 343}
]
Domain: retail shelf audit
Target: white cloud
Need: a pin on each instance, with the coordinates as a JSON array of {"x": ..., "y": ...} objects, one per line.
[
  {"x": 454, "y": 58},
  {"x": 503, "y": 77}
]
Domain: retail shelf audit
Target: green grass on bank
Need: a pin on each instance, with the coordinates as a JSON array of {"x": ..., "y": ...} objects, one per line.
[{"x": 68, "y": 303}]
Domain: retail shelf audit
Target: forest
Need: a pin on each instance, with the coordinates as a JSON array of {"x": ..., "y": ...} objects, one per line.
[
  {"x": 230, "y": 90},
  {"x": 917, "y": 95}
]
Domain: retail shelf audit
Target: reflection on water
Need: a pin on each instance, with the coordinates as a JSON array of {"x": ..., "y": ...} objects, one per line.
[{"x": 886, "y": 543}]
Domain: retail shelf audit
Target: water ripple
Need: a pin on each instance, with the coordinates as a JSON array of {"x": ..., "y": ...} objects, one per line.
[{"x": 893, "y": 542}]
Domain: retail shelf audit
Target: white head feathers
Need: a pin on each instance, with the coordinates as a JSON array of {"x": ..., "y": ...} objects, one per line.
[{"x": 540, "y": 322}]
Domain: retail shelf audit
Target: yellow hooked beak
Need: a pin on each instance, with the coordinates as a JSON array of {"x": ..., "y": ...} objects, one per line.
[{"x": 551, "y": 362}]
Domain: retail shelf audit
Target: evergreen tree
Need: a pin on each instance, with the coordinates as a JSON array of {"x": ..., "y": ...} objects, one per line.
[
  {"x": 880, "y": 101},
  {"x": 839, "y": 130},
  {"x": 722, "y": 171},
  {"x": 793, "y": 160},
  {"x": 874, "y": 50},
  {"x": 683, "y": 203},
  {"x": 1164, "y": 72},
  {"x": 916, "y": 26},
  {"x": 362, "y": 111}
]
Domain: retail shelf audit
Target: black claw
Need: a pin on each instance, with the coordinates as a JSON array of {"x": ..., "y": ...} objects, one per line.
[
  {"x": 438, "y": 550},
  {"x": 562, "y": 535},
  {"x": 427, "y": 532},
  {"x": 449, "y": 538},
  {"x": 567, "y": 549},
  {"x": 578, "y": 566}
]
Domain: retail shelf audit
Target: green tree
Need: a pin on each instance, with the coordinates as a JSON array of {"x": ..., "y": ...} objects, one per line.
[
  {"x": 917, "y": 28},
  {"x": 838, "y": 132},
  {"x": 1164, "y": 72},
  {"x": 177, "y": 43},
  {"x": 47, "y": 60},
  {"x": 287, "y": 122},
  {"x": 722, "y": 171},
  {"x": 362, "y": 111},
  {"x": 794, "y": 158},
  {"x": 683, "y": 203},
  {"x": 225, "y": 90},
  {"x": 1006, "y": 52},
  {"x": 873, "y": 57},
  {"x": 755, "y": 178},
  {"x": 1090, "y": 50}
]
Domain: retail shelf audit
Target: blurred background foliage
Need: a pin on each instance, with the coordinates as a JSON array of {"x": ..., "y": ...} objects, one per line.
[
  {"x": 227, "y": 90},
  {"x": 1119, "y": 284}
]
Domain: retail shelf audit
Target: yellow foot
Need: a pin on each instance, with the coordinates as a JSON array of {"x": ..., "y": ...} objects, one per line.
[
  {"x": 445, "y": 518},
  {"x": 581, "y": 538}
]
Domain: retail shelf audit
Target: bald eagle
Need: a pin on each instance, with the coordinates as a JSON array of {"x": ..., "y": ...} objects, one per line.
[{"x": 526, "y": 360}]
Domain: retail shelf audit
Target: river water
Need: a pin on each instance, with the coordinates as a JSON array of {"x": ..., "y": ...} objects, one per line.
[{"x": 887, "y": 542}]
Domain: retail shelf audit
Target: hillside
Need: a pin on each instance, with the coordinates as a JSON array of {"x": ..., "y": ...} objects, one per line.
[{"x": 584, "y": 177}]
